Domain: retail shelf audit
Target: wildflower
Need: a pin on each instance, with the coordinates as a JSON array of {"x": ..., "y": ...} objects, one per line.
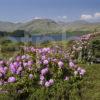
[
  {"x": 1, "y": 62},
  {"x": 1, "y": 75},
  {"x": 54, "y": 60},
  {"x": 41, "y": 82},
  {"x": 71, "y": 64},
  {"x": 23, "y": 57},
  {"x": 44, "y": 71},
  {"x": 11, "y": 79},
  {"x": 18, "y": 58},
  {"x": 5, "y": 69},
  {"x": 1, "y": 83},
  {"x": 25, "y": 64},
  {"x": 29, "y": 63},
  {"x": 51, "y": 81},
  {"x": 2, "y": 70},
  {"x": 47, "y": 84},
  {"x": 32, "y": 49},
  {"x": 43, "y": 57},
  {"x": 12, "y": 68},
  {"x": 60, "y": 64},
  {"x": 16, "y": 64},
  {"x": 45, "y": 62},
  {"x": 82, "y": 72},
  {"x": 66, "y": 78},
  {"x": 44, "y": 50},
  {"x": 42, "y": 77},
  {"x": 78, "y": 69},
  {"x": 19, "y": 70},
  {"x": 30, "y": 76}
]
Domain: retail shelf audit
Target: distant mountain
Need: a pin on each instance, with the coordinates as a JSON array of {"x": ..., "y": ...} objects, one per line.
[
  {"x": 8, "y": 26},
  {"x": 81, "y": 25},
  {"x": 41, "y": 26},
  {"x": 49, "y": 26}
]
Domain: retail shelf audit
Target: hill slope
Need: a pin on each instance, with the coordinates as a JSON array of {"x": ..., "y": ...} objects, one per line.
[
  {"x": 49, "y": 26},
  {"x": 41, "y": 26}
]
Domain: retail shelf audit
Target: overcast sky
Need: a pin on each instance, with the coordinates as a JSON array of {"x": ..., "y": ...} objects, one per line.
[{"x": 63, "y": 10}]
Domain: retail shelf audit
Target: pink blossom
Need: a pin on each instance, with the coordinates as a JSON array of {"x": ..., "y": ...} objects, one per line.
[
  {"x": 30, "y": 76},
  {"x": 78, "y": 69},
  {"x": 18, "y": 58},
  {"x": 11, "y": 79},
  {"x": 60, "y": 64},
  {"x": 42, "y": 77},
  {"x": 32, "y": 49},
  {"x": 66, "y": 78},
  {"x": 54, "y": 60},
  {"x": 43, "y": 57},
  {"x": 1, "y": 62},
  {"x": 82, "y": 72},
  {"x": 47, "y": 84},
  {"x": 30, "y": 63},
  {"x": 19, "y": 68},
  {"x": 45, "y": 62},
  {"x": 41, "y": 82},
  {"x": 71, "y": 64},
  {"x": 23, "y": 56},
  {"x": 44, "y": 71},
  {"x": 25, "y": 64},
  {"x": 51, "y": 81}
]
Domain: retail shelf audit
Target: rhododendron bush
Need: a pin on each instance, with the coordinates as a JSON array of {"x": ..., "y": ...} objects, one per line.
[
  {"x": 50, "y": 71},
  {"x": 37, "y": 67}
]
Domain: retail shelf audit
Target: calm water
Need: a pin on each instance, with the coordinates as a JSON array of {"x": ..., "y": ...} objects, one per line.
[{"x": 42, "y": 38}]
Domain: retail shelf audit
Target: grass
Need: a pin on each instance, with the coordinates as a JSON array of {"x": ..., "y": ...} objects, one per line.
[{"x": 91, "y": 86}]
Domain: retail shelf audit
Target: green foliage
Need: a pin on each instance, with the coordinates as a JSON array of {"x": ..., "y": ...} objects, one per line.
[
  {"x": 77, "y": 33},
  {"x": 90, "y": 88},
  {"x": 62, "y": 90}
]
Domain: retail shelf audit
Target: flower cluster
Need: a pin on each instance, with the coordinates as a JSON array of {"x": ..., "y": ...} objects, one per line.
[
  {"x": 46, "y": 62},
  {"x": 45, "y": 65}
]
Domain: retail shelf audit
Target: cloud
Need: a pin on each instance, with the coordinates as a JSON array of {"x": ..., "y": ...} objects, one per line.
[
  {"x": 94, "y": 17},
  {"x": 62, "y": 18},
  {"x": 97, "y": 15},
  {"x": 86, "y": 17},
  {"x": 38, "y": 18}
]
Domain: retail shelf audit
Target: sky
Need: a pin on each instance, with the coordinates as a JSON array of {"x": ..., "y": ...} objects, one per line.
[{"x": 62, "y": 10}]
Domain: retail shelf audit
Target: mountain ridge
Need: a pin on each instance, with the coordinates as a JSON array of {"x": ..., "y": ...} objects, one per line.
[{"x": 49, "y": 26}]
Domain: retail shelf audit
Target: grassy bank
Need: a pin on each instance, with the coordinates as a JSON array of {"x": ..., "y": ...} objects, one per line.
[{"x": 91, "y": 87}]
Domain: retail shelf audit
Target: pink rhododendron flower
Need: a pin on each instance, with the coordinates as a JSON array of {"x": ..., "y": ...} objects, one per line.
[
  {"x": 82, "y": 72},
  {"x": 47, "y": 84},
  {"x": 43, "y": 57},
  {"x": 41, "y": 82},
  {"x": 44, "y": 71},
  {"x": 20, "y": 68},
  {"x": 71, "y": 64},
  {"x": 30, "y": 76},
  {"x": 66, "y": 78},
  {"x": 29, "y": 63},
  {"x": 45, "y": 62},
  {"x": 42, "y": 77},
  {"x": 11, "y": 79},
  {"x": 60, "y": 64},
  {"x": 51, "y": 81}
]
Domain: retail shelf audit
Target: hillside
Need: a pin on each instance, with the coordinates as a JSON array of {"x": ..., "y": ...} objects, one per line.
[
  {"x": 41, "y": 26},
  {"x": 49, "y": 26},
  {"x": 82, "y": 26}
]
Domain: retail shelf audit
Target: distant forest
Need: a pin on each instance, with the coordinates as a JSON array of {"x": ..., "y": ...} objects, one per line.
[{"x": 17, "y": 33}]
